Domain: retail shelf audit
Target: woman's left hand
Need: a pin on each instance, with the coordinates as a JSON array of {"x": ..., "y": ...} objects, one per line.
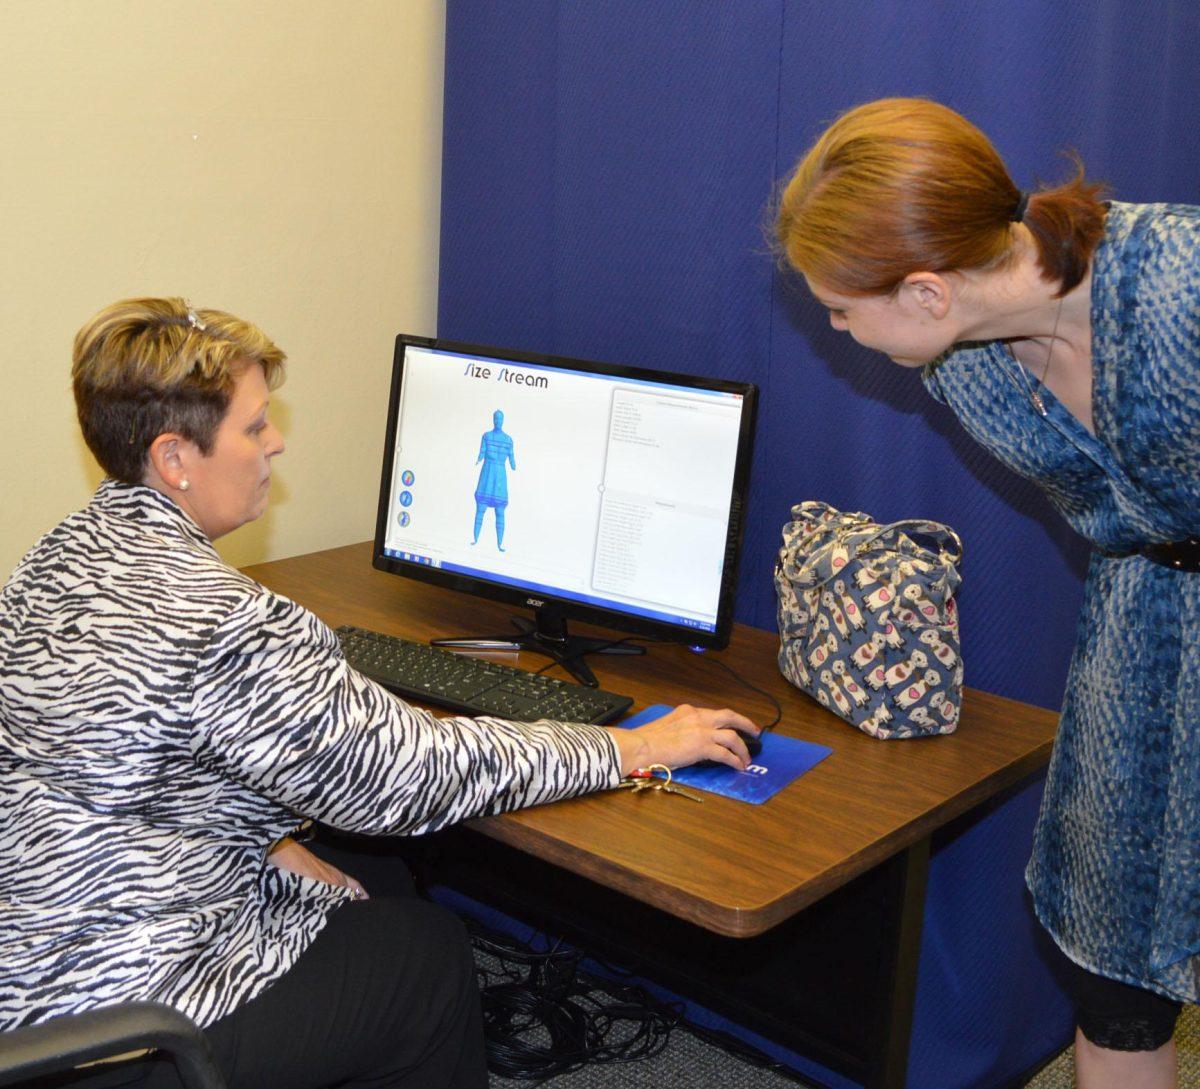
[{"x": 289, "y": 855}]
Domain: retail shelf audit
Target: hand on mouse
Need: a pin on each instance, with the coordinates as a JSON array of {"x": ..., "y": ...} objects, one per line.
[{"x": 686, "y": 736}]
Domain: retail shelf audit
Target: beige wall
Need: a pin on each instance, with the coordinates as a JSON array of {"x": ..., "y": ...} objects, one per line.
[{"x": 276, "y": 158}]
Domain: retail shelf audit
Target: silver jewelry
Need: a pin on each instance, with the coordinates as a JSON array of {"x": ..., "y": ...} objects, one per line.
[
  {"x": 195, "y": 322},
  {"x": 1035, "y": 395},
  {"x": 184, "y": 485}
]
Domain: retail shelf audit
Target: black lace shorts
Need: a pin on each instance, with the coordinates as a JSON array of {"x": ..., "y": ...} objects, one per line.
[{"x": 1119, "y": 1016}]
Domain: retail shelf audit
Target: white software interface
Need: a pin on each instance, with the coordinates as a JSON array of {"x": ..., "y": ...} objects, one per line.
[{"x": 601, "y": 489}]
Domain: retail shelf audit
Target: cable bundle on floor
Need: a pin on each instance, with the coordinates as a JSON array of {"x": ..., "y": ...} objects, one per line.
[{"x": 542, "y": 1017}]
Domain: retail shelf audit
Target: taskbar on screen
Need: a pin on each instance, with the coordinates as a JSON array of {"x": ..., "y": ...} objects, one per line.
[{"x": 553, "y": 591}]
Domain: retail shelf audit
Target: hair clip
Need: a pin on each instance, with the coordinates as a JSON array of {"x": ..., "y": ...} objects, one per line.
[{"x": 195, "y": 322}]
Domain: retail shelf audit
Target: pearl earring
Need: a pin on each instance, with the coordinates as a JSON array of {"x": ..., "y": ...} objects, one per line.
[{"x": 184, "y": 485}]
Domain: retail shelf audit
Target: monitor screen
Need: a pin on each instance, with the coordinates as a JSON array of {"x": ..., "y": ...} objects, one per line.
[{"x": 605, "y": 493}]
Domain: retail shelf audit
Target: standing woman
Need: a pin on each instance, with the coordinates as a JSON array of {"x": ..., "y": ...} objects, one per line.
[{"x": 1065, "y": 334}]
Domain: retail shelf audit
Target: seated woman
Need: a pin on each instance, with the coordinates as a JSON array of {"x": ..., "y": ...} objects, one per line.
[{"x": 165, "y": 721}]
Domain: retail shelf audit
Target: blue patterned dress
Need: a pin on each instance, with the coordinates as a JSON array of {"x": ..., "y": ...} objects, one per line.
[{"x": 1115, "y": 873}]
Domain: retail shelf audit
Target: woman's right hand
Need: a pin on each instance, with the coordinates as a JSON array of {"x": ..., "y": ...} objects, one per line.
[{"x": 685, "y": 736}]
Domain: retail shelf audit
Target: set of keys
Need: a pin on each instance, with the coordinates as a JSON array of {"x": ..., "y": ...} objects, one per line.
[{"x": 641, "y": 779}]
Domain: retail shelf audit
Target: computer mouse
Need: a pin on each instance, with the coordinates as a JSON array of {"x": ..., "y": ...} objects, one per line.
[{"x": 753, "y": 746}]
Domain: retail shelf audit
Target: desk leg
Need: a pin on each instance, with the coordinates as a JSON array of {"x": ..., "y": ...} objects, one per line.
[{"x": 898, "y": 971}]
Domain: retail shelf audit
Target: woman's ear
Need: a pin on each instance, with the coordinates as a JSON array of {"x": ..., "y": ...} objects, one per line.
[
  {"x": 928, "y": 292},
  {"x": 166, "y": 459}
]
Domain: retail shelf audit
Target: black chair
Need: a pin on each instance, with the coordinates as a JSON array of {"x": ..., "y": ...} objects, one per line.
[{"x": 62, "y": 1043}]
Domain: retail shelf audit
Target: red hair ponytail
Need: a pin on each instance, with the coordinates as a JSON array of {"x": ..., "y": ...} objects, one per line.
[
  {"x": 903, "y": 185},
  {"x": 1066, "y": 223}
]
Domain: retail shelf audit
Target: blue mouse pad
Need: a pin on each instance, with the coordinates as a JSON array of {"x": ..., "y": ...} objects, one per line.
[{"x": 782, "y": 759}]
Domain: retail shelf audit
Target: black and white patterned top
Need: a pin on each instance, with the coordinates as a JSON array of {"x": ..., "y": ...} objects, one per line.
[{"x": 163, "y": 720}]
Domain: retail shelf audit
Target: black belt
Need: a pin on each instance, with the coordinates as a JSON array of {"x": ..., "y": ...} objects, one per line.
[{"x": 1178, "y": 555}]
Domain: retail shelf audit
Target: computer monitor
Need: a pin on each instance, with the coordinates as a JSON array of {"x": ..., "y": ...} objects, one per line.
[{"x": 577, "y": 489}]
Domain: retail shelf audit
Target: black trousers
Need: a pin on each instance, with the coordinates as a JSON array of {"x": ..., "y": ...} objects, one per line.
[
  {"x": 1119, "y": 1016},
  {"x": 384, "y": 998}
]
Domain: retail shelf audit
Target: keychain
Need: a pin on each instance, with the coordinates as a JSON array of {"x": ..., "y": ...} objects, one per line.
[{"x": 641, "y": 779}]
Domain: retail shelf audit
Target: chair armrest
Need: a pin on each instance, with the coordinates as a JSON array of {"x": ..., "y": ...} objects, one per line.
[{"x": 65, "y": 1042}]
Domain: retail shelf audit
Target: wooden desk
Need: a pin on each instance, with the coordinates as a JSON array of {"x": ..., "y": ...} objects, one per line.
[{"x": 869, "y": 803}]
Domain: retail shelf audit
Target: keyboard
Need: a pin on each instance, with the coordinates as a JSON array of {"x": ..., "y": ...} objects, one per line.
[{"x": 417, "y": 671}]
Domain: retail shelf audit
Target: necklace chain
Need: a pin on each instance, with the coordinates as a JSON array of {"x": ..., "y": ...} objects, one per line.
[{"x": 1035, "y": 394}]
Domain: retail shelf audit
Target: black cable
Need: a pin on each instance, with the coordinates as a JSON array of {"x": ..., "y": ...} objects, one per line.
[
  {"x": 545, "y": 1016},
  {"x": 753, "y": 688},
  {"x": 599, "y": 648},
  {"x": 542, "y": 1018},
  {"x": 644, "y": 640}
]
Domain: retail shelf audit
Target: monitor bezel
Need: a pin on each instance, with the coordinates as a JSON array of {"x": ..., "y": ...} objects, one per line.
[{"x": 611, "y": 618}]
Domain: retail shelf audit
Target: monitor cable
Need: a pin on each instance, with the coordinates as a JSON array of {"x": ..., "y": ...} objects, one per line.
[{"x": 637, "y": 641}]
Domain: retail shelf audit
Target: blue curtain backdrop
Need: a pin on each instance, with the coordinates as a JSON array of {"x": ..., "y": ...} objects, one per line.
[{"x": 608, "y": 169}]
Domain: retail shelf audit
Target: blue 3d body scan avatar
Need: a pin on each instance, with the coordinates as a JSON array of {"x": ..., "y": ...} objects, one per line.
[{"x": 495, "y": 448}]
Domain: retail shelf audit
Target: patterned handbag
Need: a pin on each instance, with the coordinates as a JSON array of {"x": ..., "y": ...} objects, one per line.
[{"x": 868, "y": 625}]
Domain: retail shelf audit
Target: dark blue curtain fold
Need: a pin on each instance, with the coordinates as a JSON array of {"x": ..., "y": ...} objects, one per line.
[{"x": 608, "y": 172}]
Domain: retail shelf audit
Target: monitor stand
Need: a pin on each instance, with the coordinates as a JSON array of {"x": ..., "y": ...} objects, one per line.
[{"x": 547, "y": 634}]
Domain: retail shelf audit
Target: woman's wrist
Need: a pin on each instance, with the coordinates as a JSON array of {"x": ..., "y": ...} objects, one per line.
[{"x": 633, "y": 751}]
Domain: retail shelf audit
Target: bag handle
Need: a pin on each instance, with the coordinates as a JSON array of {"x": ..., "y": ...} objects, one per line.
[{"x": 919, "y": 527}]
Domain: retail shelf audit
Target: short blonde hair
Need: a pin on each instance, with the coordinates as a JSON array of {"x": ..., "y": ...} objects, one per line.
[
  {"x": 903, "y": 185},
  {"x": 142, "y": 367}
]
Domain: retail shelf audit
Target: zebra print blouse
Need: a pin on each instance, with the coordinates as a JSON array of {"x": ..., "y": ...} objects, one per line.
[{"x": 163, "y": 720}]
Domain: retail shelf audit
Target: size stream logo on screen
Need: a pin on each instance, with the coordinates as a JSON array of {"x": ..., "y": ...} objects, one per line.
[{"x": 505, "y": 374}]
